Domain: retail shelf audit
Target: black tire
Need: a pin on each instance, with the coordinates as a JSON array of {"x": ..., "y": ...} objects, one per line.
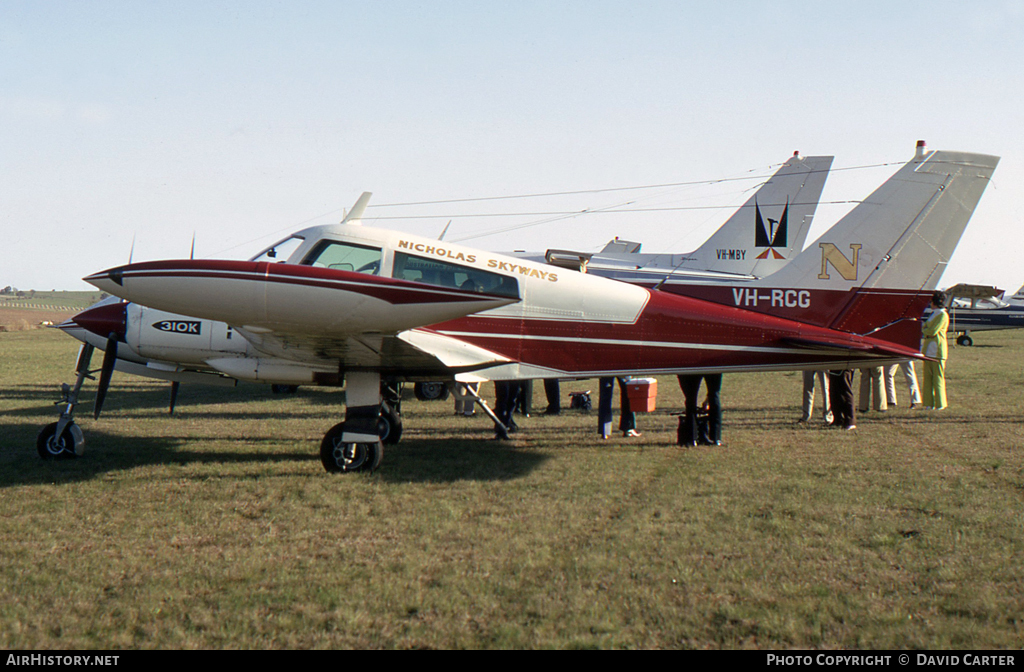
[
  {"x": 432, "y": 391},
  {"x": 338, "y": 457},
  {"x": 389, "y": 425},
  {"x": 284, "y": 389},
  {"x": 70, "y": 445},
  {"x": 964, "y": 340}
]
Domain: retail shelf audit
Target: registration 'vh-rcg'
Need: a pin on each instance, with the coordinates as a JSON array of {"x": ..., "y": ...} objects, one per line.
[{"x": 352, "y": 303}]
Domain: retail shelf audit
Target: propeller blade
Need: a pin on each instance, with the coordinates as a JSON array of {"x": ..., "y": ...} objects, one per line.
[
  {"x": 109, "y": 359},
  {"x": 84, "y": 357},
  {"x": 174, "y": 396}
]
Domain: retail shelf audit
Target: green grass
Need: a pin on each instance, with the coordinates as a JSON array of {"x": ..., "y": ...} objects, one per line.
[{"x": 218, "y": 527}]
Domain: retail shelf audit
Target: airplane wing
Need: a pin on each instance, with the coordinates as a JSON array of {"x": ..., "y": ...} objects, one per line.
[
  {"x": 304, "y": 358},
  {"x": 967, "y": 291},
  {"x": 260, "y": 297},
  {"x": 309, "y": 324}
]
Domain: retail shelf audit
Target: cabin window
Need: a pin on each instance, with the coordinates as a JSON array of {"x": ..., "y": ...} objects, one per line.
[
  {"x": 445, "y": 274},
  {"x": 344, "y": 257}
]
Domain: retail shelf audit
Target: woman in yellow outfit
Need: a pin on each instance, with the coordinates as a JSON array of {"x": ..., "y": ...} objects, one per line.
[{"x": 933, "y": 344}]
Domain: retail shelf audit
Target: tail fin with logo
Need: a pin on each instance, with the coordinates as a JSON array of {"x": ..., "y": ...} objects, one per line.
[
  {"x": 872, "y": 273},
  {"x": 771, "y": 227}
]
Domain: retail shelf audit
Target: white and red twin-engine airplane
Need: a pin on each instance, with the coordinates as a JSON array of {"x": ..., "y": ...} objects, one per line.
[{"x": 353, "y": 303}]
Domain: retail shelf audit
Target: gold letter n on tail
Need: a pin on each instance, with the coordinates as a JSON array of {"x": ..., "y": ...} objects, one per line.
[{"x": 830, "y": 254}]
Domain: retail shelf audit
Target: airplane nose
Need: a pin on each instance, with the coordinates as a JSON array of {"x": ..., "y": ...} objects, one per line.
[{"x": 105, "y": 320}]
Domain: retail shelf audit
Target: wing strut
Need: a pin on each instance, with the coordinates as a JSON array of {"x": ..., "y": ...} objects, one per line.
[{"x": 499, "y": 426}]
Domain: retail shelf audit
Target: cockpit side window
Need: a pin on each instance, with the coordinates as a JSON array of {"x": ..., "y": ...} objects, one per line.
[
  {"x": 344, "y": 257},
  {"x": 445, "y": 274},
  {"x": 280, "y": 251}
]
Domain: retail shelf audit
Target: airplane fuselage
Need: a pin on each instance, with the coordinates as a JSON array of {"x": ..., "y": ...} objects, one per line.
[{"x": 420, "y": 307}]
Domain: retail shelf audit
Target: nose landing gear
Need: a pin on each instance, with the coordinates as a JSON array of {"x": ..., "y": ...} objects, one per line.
[{"x": 63, "y": 440}]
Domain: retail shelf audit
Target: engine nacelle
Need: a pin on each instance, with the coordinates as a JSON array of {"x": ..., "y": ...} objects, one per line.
[{"x": 156, "y": 334}]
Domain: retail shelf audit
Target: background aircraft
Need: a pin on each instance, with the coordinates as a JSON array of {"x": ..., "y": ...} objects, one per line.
[
  {"x": 980, "y": 308},
  {"x": 757, "y": 240},
  {"x": 356, "y": 304}
]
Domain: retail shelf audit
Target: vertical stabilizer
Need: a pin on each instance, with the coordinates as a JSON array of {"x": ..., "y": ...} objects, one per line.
[
  {"x": 872, "y": 273},
  {"x": 771, "y": 227},
  {"x": 902, "y": 235}
]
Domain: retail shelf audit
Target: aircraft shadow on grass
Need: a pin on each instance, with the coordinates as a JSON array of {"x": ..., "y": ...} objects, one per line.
[
  {"x": 417, "y": 460},
  {"x": 155, "y": 400}
]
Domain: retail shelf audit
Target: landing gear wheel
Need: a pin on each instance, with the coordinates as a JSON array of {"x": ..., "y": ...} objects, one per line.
[
  {"x": 69, "y": 445},
  {"x": 430, "y": 391},
  {"x": 389, "y": 425},
  {"x": 340, "y": 457},
  {"x": 964, "y": 340}
]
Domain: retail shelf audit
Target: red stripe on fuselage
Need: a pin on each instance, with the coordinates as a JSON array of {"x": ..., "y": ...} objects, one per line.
[
  {"x": 673, "y": 332},
  {"x": 396, "y": 292}
]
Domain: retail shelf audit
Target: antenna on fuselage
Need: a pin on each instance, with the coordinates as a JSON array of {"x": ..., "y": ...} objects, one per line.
[
  {"x": 356, "y": 214},
  {"x": 441, "y": 237}
]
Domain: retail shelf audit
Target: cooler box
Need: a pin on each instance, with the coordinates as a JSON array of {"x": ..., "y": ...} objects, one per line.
[{"x": 643, "y": 392}]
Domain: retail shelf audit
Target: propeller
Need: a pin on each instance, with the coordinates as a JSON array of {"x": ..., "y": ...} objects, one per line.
[
  {"x": 109, "y": 359},
  {"x": 84, "y": 357},
  {"x": 174, "y": 396}
]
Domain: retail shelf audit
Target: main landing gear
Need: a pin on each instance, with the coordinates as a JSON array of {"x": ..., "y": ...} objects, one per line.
[
  {"x": 432, "y": 391},
  {"x": 357, "y": 444},
  {"x": 341, "y": 456}
]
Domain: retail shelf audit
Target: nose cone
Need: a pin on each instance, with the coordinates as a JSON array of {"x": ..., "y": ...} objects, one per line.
[
  {"x": 110, "y": 281},
  {"x": 104, "y": 320}
]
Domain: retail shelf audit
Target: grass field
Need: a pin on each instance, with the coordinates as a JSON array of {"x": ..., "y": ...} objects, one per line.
[
  {"x": 35, "y": 309},
  {"x": 218, "y": 527}
]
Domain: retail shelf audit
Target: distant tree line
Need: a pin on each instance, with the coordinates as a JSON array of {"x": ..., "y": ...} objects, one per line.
[{"x": 13, "y": 291}]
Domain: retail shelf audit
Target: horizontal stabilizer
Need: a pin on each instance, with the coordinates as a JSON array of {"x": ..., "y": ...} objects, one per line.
[{"x": 867, "y": 346}]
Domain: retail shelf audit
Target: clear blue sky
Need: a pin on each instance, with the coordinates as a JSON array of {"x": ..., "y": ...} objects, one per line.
[{"x": 241, "y": 121}]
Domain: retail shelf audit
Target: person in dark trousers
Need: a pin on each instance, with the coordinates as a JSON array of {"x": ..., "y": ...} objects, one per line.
[
  {"x": 506, "y": 396},
  {"x": 690, "y": 385},
  {"x": 840, "y": 392},
  {"x": 554, "y": 395},
  {"x": 627, "y": 418},
  {"x": 524, "y": 406},
  {"x": 605, "y": 389}
]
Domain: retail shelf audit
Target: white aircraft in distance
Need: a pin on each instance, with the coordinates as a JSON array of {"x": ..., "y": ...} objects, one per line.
[
  {"x": 758, "y": 240},
  {"x": 749, "y": 243},
  {"x": 980, "y": 308},
  {"x": 1018, "y": 298},
  {"x": 355, "y": 304}
]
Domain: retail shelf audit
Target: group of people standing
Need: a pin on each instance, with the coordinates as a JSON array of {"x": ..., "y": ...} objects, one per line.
[{"x": 879, "y": 382}]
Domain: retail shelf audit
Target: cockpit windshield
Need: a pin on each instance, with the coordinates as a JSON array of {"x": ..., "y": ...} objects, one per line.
[
  {"x": 988, "y": 303},
  {"x": 344, "y": 257},
  {"x": 280, "y": 251}
]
